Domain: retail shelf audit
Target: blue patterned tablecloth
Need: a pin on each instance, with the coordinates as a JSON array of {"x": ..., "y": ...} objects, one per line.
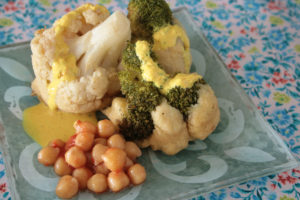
[{"x": 259, "y": 40}]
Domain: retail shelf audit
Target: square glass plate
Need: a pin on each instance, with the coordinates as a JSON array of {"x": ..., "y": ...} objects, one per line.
[{"x": 243, "y": 146}]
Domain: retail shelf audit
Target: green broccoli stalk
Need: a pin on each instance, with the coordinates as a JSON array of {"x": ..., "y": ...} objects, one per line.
[
  {"x": 147, "y": 16},
  {"x": 142, "y": 97}
]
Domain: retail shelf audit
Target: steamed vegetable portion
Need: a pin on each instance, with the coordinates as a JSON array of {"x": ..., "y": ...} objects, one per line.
[
  {"x": 152, "y": 20},
  {"x": 88, "y": 56},
  {"x": 161, "y": 110},
  {"x": 142, "y": 97},
  {"x": 147, "y": 17},
  {"x": 75, "y": 61}
]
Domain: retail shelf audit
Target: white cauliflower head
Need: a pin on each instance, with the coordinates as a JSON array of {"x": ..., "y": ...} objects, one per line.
[
  {"x": 204, "y": 116},
  {"x": 170, "y": 134},
  {"x": 75, "y": 61},
  {"x": 172, "y": 49}
]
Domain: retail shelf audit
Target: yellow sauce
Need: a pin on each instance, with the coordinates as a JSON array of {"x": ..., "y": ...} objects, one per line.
[
  {"x": 152, "y": 72},
  {"x": 44, "y": 125},
  {"x": 182, "y": 80},
  {"x": 64, "y": 66},
  {"x": 167, "y": 36}
]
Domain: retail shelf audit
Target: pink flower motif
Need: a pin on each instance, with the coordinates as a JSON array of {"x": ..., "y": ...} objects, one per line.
[
  {"x": 6, "y": 8},
  {"x": 273, "y": 186},
  {"x": 242, "y": 55},
  {"x": 285, "y": 73},
  {"x": 21, "y": 5},
  {"x": 252, "y": 29},
  {"x": 291, "y": 180},
  {"x": 278, "y": 79},
  {"x": 283, "y": 81},
  {"x": 10, "y": 6},
  {"x": 234, "y": 65},
  {"x": 272, "y": 5},
  {"x": 281, "y": 179},
  {"x": 3, "y": 187}
]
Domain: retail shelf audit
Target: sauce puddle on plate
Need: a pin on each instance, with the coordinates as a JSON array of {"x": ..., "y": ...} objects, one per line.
[{"x": 44, "y": 125}]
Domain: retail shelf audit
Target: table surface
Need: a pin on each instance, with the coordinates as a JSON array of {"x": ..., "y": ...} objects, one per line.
[{"x": 259, "y": 41}]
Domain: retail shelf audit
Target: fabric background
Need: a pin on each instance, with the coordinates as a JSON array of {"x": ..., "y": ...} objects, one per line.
[{"x": 259, "y": 40}]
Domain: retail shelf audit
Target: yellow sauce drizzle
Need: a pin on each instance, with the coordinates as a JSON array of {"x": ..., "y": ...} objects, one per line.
[
  {"x": 182, "y": 80},
  {"x": 152, "y": 72},
  {"x": 64, "y": 66},
  {"x": 44, "y": 125},
  {"x": 167, "y": 36}
]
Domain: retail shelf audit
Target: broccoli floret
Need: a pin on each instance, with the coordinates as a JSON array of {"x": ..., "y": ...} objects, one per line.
[
  {"x": 129, "y": 57},
  {"x": 137, "y": 125},
  {"x": 147, "y": 16},
  {"x": 184, "y": 98},
  {"x": 142, "y": 97}
]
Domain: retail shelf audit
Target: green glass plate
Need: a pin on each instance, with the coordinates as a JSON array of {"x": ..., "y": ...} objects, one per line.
[{"x": 243, "y": 146}]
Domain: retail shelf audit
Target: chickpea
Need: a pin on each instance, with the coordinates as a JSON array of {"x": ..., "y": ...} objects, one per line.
[
  {"x": 67, "y": 187},
  {"x": 57, "y": 143},
  {"x": 97, "y": 183},
  {"x": 100, "y": 141},
  {"x": 137, "y": 174},
  {"x": 128, "y": 163},
  {"x": 117, "y": 181},
  {"x": 82, "y": 175},
  {"x": 48, "y": 155},
  {"x": 106, "y": 128},
  {"x": 97, "y": 152},
  {"x": 84, "y": 127},
  {"x": 84, "y": 140},
  {"x": 132, "y": 150},
  {"x": 101, "y": 168},
  {"x": 114, "y": 159},
  {"x": 61, "y": 167},
  {"x": 71, "y": 142},
  {"x": 75, "y": 157},
  {"x": 116, "y": 141}
]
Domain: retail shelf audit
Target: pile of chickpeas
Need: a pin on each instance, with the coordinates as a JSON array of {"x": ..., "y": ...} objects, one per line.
[{"x": 96, "y": 158}]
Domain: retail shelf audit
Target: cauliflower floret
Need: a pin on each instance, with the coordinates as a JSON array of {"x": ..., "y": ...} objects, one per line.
[
  {"x": 170, "y": 134},
  {"x": 204, "y": 116},
  {"x": 175, "y": 58},
  {"x": 172, "y": 59},
  {"x": 90, "y": 42},
  {"x": 117, "y": 111}
]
